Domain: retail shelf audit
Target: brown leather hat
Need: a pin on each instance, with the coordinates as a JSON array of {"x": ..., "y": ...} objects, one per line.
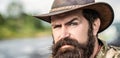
[{"x": 62, "y": 6}]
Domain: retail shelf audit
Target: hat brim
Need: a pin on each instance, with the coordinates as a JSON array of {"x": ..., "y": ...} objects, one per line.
[{"x": 105, "y": 11}]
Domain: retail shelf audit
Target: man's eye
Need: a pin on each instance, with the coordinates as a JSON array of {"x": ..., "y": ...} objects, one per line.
[
  {"x": 74, "y": 23},
  {"x": 57, "y": 26}
]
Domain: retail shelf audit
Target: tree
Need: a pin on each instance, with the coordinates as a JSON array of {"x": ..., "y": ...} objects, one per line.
[{"x": 2, "y": 20}]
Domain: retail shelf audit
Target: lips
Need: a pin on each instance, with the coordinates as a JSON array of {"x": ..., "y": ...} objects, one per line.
[{"x": 66, "y": 46}]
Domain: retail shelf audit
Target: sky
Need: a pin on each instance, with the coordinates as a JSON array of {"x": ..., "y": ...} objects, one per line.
[{"x": 43, "y": 6}]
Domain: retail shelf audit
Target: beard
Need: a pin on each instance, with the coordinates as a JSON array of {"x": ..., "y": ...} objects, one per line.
[{"x": 77, "y": 50}]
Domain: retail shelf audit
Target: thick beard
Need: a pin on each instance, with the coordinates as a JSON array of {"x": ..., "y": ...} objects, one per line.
[{"x": 79, "y": 50}]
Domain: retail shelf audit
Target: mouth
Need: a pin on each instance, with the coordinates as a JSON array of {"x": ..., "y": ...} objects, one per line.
[{"x": 66, "y": 46}]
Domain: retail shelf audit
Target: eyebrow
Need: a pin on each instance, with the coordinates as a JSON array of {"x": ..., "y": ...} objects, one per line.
[
  {"x": 73, "y": 19},
  {"x": 70, "y": 21}
]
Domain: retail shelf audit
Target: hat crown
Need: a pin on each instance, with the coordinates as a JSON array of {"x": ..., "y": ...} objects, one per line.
[{"x": 62, "y": 3}]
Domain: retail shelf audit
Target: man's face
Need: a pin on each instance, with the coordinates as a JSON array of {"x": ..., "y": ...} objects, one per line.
[
  {"x": 70, "y": 33},
  {"x": 72, "y": 25}
]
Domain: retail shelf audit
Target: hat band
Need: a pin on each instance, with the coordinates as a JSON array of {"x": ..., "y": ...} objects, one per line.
[{"x": 66, "y": 7}]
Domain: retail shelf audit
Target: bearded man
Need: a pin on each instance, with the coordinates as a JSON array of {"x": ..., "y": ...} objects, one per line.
[{"x": 75, "y": 27}]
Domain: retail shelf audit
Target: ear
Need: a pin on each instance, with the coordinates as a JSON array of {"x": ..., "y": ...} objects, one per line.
[{"x": 96, "y": 26}]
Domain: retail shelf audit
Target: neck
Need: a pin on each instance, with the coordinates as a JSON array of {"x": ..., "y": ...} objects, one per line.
[{"x": 96, "y": 48}]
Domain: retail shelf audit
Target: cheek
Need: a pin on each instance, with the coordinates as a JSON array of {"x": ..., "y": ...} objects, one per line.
[
  {"x": 55, "y": 35},
  {"x": 80, "y": 33}
]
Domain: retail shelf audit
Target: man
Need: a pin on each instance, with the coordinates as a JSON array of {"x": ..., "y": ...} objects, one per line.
[{"x": 75, "y": 27}]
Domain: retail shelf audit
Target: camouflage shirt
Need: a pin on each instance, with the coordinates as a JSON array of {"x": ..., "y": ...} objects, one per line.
[{"x": 107, "y": 51}]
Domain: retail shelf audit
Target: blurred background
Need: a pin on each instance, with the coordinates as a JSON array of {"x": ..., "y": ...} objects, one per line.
[{"x": 23, "y": 36}]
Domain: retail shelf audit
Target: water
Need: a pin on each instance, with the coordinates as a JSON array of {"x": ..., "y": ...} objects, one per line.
[{"x": 26, "y": 48}]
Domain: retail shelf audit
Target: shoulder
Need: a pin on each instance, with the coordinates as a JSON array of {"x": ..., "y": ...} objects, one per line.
[{"x": 113, "y": 52}]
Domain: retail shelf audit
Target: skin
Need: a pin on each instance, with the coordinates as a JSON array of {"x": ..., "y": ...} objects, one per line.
[{"x": 73, "y": 25}]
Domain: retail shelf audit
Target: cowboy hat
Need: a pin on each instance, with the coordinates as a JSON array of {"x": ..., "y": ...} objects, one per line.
[{"x": 61, "y": 6}]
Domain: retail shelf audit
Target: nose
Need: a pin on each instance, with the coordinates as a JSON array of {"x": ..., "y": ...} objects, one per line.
[{"x": 64, "y": 33}]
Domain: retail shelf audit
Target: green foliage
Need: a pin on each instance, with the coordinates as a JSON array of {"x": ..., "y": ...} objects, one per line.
[
  {"x": 1, "y": 20},
  {"x": 24, "y": 26},
  {"x": 19, "y": 24}
]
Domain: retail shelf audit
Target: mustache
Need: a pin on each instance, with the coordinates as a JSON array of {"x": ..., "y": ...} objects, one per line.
[{"x": 67, "y": 41}]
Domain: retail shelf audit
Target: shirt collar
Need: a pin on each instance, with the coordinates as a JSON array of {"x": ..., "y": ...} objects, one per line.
[{"x": 103, "y": 50}]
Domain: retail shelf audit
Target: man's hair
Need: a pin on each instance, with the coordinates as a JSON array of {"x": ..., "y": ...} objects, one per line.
[{"x": 91, "y": 16}]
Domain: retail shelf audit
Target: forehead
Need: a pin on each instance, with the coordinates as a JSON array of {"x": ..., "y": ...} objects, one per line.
[{"x": 72, "y": 14}]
